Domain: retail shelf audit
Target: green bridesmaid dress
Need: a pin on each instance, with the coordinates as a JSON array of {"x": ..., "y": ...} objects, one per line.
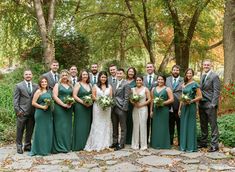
[
  {"x": 43, "y": 129},
  {"x": 62, "y": 123},
  {"x": 160, "y": 137},
  {"x": 82, "y": 122},
  {"x": 129, "y": 120},
  {"x": 188, "y": 129}
]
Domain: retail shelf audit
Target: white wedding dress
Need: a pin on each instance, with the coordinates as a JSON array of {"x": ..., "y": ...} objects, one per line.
[{"x": 100, "y": 136}]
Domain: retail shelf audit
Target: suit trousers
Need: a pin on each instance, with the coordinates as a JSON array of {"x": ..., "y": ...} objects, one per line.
[
  {"x": 119, "y": 116},
  {"x": 208, "y": 115},
  {"x": 24, "y": 122},
  {"x": 174, "y": 119}
]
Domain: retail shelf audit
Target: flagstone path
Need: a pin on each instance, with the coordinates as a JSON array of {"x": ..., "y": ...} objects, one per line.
[{"x": 125, "y": 160}]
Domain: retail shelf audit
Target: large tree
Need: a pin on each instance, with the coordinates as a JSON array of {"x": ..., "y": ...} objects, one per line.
[
  {"x": 45, "y": 21},
  {"x": 229, "y": 41}
]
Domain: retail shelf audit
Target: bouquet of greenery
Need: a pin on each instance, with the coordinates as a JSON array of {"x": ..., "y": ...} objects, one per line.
[
  {"x": 87, "y": 99},
  {"x": 185, "y": 98},
  {"x": 135, "y": 98},
  {"x": 105, "y": 102},
  {"x": 69, "y": 100},
  {"x": 49, "y": 102},
  {"x": 158, "y": 101}
]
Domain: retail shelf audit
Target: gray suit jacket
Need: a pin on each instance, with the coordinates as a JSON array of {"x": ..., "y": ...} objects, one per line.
[
  {"x": 51, "y": 80},
  {"x": 91, "y": 78},
  {"x": 153, "y": 84},
  {"x": 211, "y": 89},
  {"x": 110, "y": 82},
  {"x": 177, "y": 91},
  {"x": 121, "y": 95},
  {"x": 22, "y": 100}
]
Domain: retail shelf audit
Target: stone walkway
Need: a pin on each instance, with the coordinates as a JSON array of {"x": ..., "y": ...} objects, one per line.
[{"x": 124, "y": 160}]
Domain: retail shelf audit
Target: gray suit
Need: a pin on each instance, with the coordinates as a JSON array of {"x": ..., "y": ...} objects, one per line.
[
  {"x": 23, "y": 104},
  {"x": 119, "y": 111},
  {"x": 150, "y": 87},
  {"x": 208, "y": 108},
  {"x": 174, "y": 117},
  {"x": 91, "y": 78},
  {"x": 51, "y": 79}
]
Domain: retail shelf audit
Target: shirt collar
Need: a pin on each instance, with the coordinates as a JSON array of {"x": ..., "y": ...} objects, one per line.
[
  {"x": 28, "y": 82},
  {"x": 177, "y": 79},
  {"x": 53, "y": 73},
  {"x": 208, "y": 73}
]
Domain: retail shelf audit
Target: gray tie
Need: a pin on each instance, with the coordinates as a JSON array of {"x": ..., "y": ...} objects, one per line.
[{"x": 55, "y": 77}]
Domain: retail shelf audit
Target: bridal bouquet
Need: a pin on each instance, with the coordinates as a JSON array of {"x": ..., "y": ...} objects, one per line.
[
  {"x": 69, "y": 100},
  {"x": 135, "y": 98},
  {"x": 185, "y": 98},
  {"x": 105, "y": 102},
  {"x": 158, "y": 101},
  {"x": 87, "y": 99}
]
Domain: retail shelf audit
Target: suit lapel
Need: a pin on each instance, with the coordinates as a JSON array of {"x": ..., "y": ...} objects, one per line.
[{"x": 24, "y": 88}]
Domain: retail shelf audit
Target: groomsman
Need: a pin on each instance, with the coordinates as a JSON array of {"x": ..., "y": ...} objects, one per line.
[
  {"x": 24, "y": 110},
  {"x": 52, "y": 76},
  {"x": 94, "y": 74},
  {"x": 73, "y": 72},
  {"x": 121, "y": 93},
  {"x": 210, "y": 87},
  {"x": 149, "y": 82},
  {"x": 175, "y": 83},
  {"x": 112, "y": 80}
]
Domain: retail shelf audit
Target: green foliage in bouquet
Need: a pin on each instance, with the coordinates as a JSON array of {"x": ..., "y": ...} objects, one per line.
[
  {"x": 158, "y": 101},
  {"x": 105, "y": 102},
  {"x": 87, "y": 99}
]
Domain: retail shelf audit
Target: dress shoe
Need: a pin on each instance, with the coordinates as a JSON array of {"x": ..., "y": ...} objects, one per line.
[
  {"x": 213, "y": 149},
  {"x": 201, "y": 146},
  {"x": 27, "y": 149},
  {"x": 19, "y": 150},
  {"x": 119, "y": 146},
  {"x": 114, "y": 145}
]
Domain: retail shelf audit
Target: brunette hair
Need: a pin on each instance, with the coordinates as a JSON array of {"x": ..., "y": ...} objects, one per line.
[
  {"x": 99, "y": 76},
  {"x": 40, "y": 80},
  {"x": 185, "y": 77},
  {"x": 134, "y": 77},
  {"x": 80, "y": 76},
  {"x": 163, "y": 76}
]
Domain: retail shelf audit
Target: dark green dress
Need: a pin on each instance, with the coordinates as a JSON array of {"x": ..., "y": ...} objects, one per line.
[
  {"x": 62, "y": 123},
  {"x": 43, "y": 129},
  {"x": 129, "y": 120},
  {"x": 82, "y": 122},
  {"x": 160, "y": 137},
  {"x": 188, "y": 135}
]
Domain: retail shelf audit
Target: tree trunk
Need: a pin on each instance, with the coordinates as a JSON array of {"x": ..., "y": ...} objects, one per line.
[
  {"x": 229, "y": 41},
  {"x": 45, "y": 29}
]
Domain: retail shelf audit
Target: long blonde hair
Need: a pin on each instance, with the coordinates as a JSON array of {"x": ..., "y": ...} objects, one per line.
[{"x": 69, "y": 82}]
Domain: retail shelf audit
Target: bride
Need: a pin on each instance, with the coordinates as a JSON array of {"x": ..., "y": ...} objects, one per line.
[{"x": 100, "y": 136}]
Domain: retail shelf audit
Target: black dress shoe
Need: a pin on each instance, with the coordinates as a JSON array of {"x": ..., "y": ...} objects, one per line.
[
  {"x": 119, "y": 146},
  {"x": 19, "y": 150},
  {"x": 201, "y": 146},
  {"x": 27, "y": 149},
  {"x": 213, "y": 149},
  {"x": 114, "y": 145}
]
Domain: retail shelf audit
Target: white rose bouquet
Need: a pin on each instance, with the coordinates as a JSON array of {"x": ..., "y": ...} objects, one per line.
[
  {"x": 158, "y": 101},
  {"x": 87, "y": 99},
  {"x": 69, "y": 100},
  {"x": 135, "y": 98},
  {"x": 185, "y": 98},
  {"x": 105, "y": 102}
]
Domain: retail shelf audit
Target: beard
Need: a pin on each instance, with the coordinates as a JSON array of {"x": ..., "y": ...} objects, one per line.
[
  {"x": 175, "y": 75},
  {"x": 94, "y": 72}
]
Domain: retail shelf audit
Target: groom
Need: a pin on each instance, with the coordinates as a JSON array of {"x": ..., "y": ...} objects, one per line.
[{"x": 121, "y": 91}]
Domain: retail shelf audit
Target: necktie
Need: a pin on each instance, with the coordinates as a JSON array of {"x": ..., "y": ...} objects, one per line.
[
  {"x": 74, "y": 81},
  {"x": 150, "y": 80},
  {"x": 55, "y": 78},
  {"x": 29, "y": 88},
  {"x": 114, "y": 80},
  {"x": 174, "y": 83},
  {"x": 203, "y": 78},
  {"x": 94, "y": 80}
]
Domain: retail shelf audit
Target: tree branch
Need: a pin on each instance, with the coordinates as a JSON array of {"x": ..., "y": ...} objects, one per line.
[
  {"x": 214, "y": 45},
  {"x": 51, "y": 16}
]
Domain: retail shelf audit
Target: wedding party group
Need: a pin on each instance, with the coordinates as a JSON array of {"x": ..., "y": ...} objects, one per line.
[{"x": 97, "y": 110}]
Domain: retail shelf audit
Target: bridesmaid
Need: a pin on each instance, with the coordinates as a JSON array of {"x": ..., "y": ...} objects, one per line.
[
  {"x": 140, "y": 115},
  {"x": 62, "y": 114},
  {"x": 160, "y": 137},
  {"x": 187, "y": 112},
  {"x": 43, "y": 130},
  {"x": 131, "y": 76},
  {"x": 83, "y": 111}
]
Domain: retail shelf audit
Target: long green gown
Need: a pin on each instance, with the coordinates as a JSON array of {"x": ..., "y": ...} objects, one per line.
[
  {"x": 160, "y": 137},
  {"x": 82, "y": 122},
  {"x": 43, "y": 129},
  {"x": 188, "y": 129},
  {"x": 62, "y": 123},
  {"x": 129, "y": 120}
]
